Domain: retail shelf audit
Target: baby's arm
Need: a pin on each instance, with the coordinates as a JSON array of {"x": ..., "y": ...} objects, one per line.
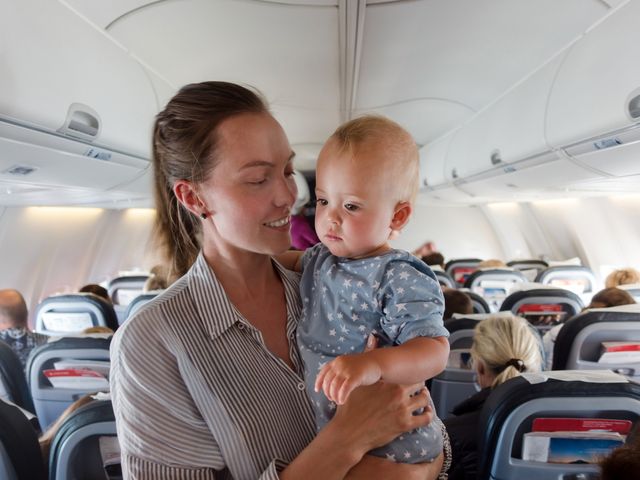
[
  {"x": 291, "y": 260},
  {"x": 414, "y": 361}
]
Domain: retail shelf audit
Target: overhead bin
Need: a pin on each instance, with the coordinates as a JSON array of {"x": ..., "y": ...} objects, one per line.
[
  {"x": 53, "y": 59},
  {"x": 432, "y": 159},
  {"x": 509, "y": 130},
  {"x": 594, "y": 105}
]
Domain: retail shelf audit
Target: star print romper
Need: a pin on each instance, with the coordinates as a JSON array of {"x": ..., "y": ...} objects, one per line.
[{"x": 394, "y": 295}]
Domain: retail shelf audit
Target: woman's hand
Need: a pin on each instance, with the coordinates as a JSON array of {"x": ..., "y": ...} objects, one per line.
[
  {"x": 372, "y": 468},
  {"x": 376, "y": 414}
]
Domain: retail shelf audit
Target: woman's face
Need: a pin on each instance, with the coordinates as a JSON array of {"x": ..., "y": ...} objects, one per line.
[{"x": 250, "y": 191}]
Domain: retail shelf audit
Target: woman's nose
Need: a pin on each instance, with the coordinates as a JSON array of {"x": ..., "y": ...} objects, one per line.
[{"x": 287, "y": 192}]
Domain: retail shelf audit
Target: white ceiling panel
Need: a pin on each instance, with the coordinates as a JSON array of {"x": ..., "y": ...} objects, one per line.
[
  {"x": 463, "y": 50},
  {"x": 289, "y": 52},
  {"x": 425, "y": 118}
]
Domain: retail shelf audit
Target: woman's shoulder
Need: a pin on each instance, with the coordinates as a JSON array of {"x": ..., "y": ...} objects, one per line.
[{"x": 150, "y": 320}]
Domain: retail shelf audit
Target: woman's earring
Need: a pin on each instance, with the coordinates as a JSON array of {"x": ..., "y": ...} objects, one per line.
[{"x": 203, "y": 216}]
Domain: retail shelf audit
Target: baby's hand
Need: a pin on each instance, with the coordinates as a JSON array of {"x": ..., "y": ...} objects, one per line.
[{"x": 341, "y": 376}]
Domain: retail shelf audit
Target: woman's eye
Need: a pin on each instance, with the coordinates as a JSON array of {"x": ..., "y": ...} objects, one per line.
[
  {"x": 322, "y": 202},
  {"x": 258, "y": 182},
  {"x": 351, "y": 207}
]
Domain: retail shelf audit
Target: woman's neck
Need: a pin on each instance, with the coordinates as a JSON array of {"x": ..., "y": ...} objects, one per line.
[{"x": 245, "y": 273}]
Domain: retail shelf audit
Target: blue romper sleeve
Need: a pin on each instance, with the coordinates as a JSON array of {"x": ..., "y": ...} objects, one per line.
[{"x": 411, "y": 301}]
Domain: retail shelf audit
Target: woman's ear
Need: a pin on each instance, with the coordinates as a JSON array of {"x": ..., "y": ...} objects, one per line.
[
  {"x": 186, "y": 194},
  {"x": 401, "y": 214}
]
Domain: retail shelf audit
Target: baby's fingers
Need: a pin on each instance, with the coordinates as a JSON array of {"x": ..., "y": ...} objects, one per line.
[
  {"x": 345, "y": 389},
  {"x": 320, "y": 378}
]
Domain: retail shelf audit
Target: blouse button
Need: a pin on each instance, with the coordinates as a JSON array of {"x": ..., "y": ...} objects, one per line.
[
  {"x": 241, "y": 326},
  {"x": 301, "y": 386}
]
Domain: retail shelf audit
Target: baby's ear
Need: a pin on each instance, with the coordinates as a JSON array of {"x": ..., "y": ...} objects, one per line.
[{"x": 401, "y": 214}]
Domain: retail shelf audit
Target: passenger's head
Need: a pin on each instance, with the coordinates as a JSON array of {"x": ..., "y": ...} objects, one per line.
[
  {"x": 157, "y": 279},
  {"x": 619, "y": 464},
  {"x": 456, "y": 301},
  {"x": 96, "y": 290},
  {"x": 503, "y": 348},
  {"x": 624, "y": 276},
  {"x": 223, "y": 174},
  {"x": 97, "y": 329},
  {"x": 610, "y": 297},
  {"x": 434, "y": 259},
  {"x": 13, "y": 310},
  {"x": 366, "y": 181},
  {"x": 492, "y": 263}
]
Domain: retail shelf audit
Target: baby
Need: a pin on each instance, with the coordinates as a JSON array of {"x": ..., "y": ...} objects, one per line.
[{"x": 354, "y": 284}]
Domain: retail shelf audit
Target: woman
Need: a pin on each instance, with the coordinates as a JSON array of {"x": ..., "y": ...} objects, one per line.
[
  {"x": 503, "y": 348},
  {"x": 206, "y": 378}
]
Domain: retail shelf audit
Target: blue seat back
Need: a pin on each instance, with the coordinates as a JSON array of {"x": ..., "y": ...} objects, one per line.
[
  {"x": 13, "y": 380},
  {"x": 75, "y": 450},
  {"x": 20, "y": 457},
  {"x": 579, "y": 342},
  {"x": 494, "y": 284},
  {"x": 66, "y": 314},
  {"x": 460, "y": 268},
  {"x": 510, "y": 409},
  {"x": 49, "y": 401}
]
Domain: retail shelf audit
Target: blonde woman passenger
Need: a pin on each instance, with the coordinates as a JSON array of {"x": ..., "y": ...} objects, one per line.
[
  {"x": 503, "y": 348},
  {"x": 355, "y": 284},
  {"x": 206, "y": 379}
]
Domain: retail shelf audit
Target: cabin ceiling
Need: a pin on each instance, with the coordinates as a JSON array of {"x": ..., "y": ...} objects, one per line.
[{"x": 429, "y": 64}]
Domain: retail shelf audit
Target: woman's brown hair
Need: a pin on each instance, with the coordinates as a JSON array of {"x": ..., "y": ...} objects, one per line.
[{"x": 184, "y": 148}]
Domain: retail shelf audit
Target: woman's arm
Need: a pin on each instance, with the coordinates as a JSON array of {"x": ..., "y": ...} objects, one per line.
[{"x": 373, "y": 416}]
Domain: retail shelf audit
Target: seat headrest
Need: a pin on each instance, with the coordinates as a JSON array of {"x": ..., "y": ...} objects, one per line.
[{"x": 72, "y": 313}]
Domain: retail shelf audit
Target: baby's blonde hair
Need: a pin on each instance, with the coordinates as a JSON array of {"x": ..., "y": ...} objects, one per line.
[
  {"x": 499, "y": 342},
  {"x": 624, "y": 276},
  {"x": 402, "y": 162}
]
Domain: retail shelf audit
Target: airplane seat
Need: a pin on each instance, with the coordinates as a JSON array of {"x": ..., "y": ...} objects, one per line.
[
  {"x": 75, "y": 352},
  {"x": 529, "y": 268},
  {"x": 444, "y": 279},
  {"x": 123, "y": 290},
  {"x": 66, "y": 314},
  {"x": 13, "y": 383},
  {"x": 75, "y": 448},
  {"x": 20, "y": 456},
  {"x": 456, "y": 382},
  {"x": 543, "y": 306},
  {"x": 460, "y": 268},
  {"x": 633, "y": 289},
  {"x": 494, "y": 284},
  {"x": 480, "y": 305},
  {"x": 510, "y": 409},
  {"x": 578, "y": 279},
  {"x": 139, "y": 301},
  {"x": 578, "y": 345}
]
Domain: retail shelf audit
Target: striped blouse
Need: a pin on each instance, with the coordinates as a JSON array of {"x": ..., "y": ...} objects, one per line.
[{"x": 197, "y": 394}]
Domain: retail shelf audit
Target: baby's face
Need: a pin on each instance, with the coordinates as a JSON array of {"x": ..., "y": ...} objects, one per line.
[{"x": 355, "y": 205}]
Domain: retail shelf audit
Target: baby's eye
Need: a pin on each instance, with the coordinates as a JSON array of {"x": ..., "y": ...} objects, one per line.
[
  {"x": 351, "y": 207},
  {"x": 257, "y": 182},
  {"x": 322, "y": 202}
]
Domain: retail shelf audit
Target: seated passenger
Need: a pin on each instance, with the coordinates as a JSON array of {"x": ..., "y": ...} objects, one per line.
[
  {"x": 608, "y": 297},
  {"x": 491, "y": 263},
  {"x": 503, "y": 348},
  {"x": 96, "y": 290},
  {"x": 158, "y": 279},
  {"x": 14, "y": 329},
  {"x": 624, "y": 276},
  {"x": 456, "y": 301},
  {"x": 434, "y": 259},
  {"x": 425, "y": 249}
]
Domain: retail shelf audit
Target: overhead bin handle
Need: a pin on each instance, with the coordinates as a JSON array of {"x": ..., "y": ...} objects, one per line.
[
  {"x": 82, "y": 122},
  {"x": 634, "y": 104}
]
